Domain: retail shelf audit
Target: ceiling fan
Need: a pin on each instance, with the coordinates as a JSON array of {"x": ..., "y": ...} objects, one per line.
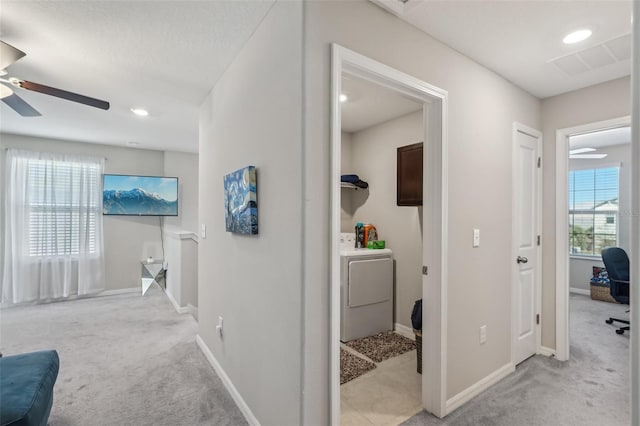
[{"x": 9, "y": 55}]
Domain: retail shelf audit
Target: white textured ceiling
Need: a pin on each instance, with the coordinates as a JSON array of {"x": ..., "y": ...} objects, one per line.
[
  {"x": 602, "y": 138},
  {"x": 164, "y": 56},
  {"x": 521, "y": 39}
]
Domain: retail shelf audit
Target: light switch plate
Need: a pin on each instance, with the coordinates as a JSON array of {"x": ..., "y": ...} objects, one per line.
[
  {"x": 476, "y": 238},
  {"x": 203, "y": 231}
]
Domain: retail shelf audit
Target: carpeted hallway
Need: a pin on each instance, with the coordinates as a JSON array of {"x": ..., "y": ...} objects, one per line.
[
  {"x": 124, "y": 360},
  {"x": 132, "y": 360},
  {"x": 592, "y": 389}
]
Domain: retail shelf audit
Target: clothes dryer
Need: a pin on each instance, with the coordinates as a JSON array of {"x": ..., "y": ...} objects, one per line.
[{"x": 366, "y": 295}]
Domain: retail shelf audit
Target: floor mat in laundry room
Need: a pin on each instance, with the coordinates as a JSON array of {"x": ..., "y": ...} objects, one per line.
[
  {"x": 382, "y": 346},
  {"x": 352, "y": 366}
]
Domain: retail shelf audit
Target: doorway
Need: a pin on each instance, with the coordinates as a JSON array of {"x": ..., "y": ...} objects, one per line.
[
  {"x": 574, "y": 249},
  {"x": 434, "y": 260}
]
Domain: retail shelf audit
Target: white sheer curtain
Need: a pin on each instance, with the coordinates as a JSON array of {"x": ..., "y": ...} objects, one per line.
[{"x": 53, "y": 244}]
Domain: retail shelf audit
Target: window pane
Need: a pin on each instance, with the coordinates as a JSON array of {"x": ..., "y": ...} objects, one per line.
[
  {"x": 55, "y": 204},
  {"x": 593, "y": 204},
  {"x": 584, "y": 179}
]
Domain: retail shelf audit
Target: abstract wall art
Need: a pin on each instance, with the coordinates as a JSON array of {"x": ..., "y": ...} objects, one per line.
[{"x": 240, "y": 201}]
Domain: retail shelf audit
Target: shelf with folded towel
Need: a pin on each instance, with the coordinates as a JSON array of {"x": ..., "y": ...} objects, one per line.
[
  {"x": 352, "y": 182},
  {"x": 348, "y": 185}
]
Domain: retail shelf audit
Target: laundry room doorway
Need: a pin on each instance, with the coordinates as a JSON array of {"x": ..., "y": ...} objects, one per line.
[{"x": 416, "y": 112}]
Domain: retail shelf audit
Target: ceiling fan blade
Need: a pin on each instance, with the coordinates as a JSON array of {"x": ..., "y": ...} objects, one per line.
[
  {"x": 20, "y": 106},
  {"x": 59, "y": 93},
  {"x": 9, "y": 54}
]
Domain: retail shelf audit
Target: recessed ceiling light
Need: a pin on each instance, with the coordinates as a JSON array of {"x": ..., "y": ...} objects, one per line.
[
  {"x": 577, "y": 36},
  {"x": 139, "y": 111},
  {"x": 581, "y": 150},
  {"x": 343, "y": 97}
]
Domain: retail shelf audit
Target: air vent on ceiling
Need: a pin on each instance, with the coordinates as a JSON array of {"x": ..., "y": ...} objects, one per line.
[{"x": 600, "y": 55}]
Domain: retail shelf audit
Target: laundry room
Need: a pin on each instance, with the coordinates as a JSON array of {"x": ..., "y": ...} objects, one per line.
[{"x": 381, "y": 129}]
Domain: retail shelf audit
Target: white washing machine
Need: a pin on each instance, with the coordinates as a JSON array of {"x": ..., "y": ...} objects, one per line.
[{"x": 366, "y": 290}]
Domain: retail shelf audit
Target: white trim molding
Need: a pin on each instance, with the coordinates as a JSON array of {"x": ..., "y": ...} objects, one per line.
[
  {"x": 179, "y": 309},
  {"x": 434, "y": 101},
  {"x": 579, "y": 291},
  {"x": 562, "y": 226},
  {"x": 405, "y": 331},
  {"x": 546, "y": 351},
  {"x": 480, "y": 386},
  {"x": 240, "y": 402},
  {"x": 119, "y": 291},
  {"x": 635, "y": 217}
]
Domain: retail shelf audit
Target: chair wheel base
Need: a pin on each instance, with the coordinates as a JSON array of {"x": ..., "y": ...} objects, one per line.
[
  {"x": 620, "y": 331},
  {"x": 609, "y": 321}
]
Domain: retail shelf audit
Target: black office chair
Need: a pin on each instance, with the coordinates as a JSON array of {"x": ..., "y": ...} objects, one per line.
[{"x": 617, "y": 263}]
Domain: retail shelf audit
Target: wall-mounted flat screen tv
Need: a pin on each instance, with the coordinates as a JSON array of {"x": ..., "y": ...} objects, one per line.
[{"x": 130, "y": 195}]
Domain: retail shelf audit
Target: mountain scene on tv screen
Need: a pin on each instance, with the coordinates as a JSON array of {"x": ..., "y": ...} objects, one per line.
[{"x": 137, "y": 201}]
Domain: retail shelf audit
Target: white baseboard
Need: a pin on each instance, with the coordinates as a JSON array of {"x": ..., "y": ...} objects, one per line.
[
  {"x": 405, "y": 331},
  {"x": 193, "y": 311},
  {"x": 240, "y": 402},
  {"x": 546, "y": 351},
  {"x": 478, "y": 387},
  {"x": 119, "y": 291},
  {"x": 179, "y": 309},
  {"x": 579, "y": 291}
]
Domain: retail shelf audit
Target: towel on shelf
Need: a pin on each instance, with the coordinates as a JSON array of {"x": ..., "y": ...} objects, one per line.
[
  {"x": 355, "y": 180},
  {"x": 349, "y": 178}
]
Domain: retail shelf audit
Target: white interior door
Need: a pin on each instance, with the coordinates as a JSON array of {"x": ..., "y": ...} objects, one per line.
[{"x": 526, "y": 225}]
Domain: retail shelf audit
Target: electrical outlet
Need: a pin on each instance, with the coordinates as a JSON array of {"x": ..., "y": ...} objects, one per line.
[
  {"x": 483, "y": 334},
  {"x": 219, "y": 326}
]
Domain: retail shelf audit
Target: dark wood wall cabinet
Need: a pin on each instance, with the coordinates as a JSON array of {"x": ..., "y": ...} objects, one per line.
[{"x": 409, "y": 190}]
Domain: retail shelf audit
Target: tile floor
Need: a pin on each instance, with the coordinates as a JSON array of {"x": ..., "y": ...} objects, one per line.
[{"x": 386, "y": 396}]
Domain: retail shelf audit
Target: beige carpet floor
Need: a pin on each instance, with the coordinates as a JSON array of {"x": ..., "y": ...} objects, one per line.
[{"x": 124, "y": 360}]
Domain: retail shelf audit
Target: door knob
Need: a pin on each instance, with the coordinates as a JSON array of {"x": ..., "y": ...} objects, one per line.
[{"x": 522, "y": 259}]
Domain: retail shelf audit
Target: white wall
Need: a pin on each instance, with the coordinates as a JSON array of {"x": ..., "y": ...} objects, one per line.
[
  {"x": 181, "y": 241},
  {"x": 184, "y": 166},
  {"x": 375, "y": 161},
  {"x": 127, "y": 239},
  {"x": 253, "y": 116},
  {"x": 596, "y": 103},
  {"x": 481, "y": 111},
  {"x": 347, "y": 194}
]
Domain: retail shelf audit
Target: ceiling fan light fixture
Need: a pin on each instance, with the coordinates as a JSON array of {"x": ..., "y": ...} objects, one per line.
[
  {"x": 140, "y": 112},
  {"x": 577, "y": 36},
  {"x": 5, "y": 91}
]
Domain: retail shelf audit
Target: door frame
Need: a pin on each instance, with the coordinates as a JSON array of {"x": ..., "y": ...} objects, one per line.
[
  {"x": 562, "y": 225},
  {"x": 434, "y": 100},
  {"x": 521, "y": 128}
]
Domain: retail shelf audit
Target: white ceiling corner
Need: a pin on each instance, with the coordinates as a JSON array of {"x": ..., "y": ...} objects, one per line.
[
  {"x": 162, "y": 56},
  {"x": 520, "y": 40}
]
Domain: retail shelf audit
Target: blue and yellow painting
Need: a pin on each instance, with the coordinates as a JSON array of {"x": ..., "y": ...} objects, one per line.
[{"x": 240, "y": 201}]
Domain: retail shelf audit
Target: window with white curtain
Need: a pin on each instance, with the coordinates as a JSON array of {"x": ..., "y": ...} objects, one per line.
[
  {"x": 55, "y": 207},
  {"x": 53, "y": 226}
]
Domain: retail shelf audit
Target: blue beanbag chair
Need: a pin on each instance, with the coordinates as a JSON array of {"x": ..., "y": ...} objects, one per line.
[{"x": 26, "y": 388}]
